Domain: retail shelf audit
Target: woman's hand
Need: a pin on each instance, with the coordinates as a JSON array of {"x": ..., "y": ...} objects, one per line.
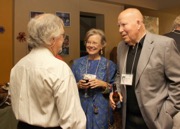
[
  {"x": 83, "y": 84},
  {"x": 94, "y": 83}
]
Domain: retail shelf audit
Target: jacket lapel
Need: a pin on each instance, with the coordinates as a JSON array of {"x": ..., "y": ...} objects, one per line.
[{"x": 146, "y": 51}]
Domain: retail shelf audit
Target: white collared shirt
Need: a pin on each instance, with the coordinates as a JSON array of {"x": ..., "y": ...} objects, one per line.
[{"x": 44, "y": 92}]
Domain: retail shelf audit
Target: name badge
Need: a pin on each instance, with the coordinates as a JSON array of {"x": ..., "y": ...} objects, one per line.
[
  {"x": 89, "y": 76},
  {"x": 127, "y": 79}
]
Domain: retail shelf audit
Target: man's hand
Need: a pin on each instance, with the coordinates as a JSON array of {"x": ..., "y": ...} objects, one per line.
[{"x": 111, "y": 101}]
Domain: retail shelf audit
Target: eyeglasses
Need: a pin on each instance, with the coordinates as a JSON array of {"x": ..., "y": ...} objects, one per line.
[{"x": 93, "y": 43}]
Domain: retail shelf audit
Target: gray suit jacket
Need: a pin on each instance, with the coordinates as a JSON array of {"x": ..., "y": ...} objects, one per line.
[{"x": 157, "y": 85}]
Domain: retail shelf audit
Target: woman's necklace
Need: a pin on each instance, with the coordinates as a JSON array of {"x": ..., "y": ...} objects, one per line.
[{"x": 87, "y": 64}]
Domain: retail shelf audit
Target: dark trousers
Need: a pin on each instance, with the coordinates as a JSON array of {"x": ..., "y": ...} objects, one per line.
[
  {"x": 22, "y": 125},
  {"x": 135, "y": 122}
]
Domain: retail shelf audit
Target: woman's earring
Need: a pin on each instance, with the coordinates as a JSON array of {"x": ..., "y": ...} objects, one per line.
[{"x": 101, "y": 52}]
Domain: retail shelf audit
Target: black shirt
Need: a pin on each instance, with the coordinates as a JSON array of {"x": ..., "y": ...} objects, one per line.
[
  {"x": 176, "y": 36},
  {"x": 134, "y": 119}
]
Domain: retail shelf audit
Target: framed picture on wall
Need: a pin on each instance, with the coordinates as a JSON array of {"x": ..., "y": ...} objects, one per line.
[
  {"x": 152, "y": 24},
  {"x": 35, "y": 13},
  {"x": 65, "y": 17}
]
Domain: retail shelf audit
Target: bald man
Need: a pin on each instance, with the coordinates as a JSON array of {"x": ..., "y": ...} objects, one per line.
[{"x": 148, "y": 77}]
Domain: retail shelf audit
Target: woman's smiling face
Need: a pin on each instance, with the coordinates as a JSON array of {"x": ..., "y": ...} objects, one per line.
[{"x": 93, "y": 44}]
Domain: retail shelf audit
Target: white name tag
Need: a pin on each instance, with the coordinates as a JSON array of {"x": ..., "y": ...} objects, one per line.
[
  {"x": 126, "y": 79},
  {"x": 89, "y": 76}
]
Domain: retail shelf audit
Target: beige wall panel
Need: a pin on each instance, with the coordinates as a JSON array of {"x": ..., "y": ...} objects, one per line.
[
  {"x": 6, "y": 42},
  {"x": 23, "y": 8}
]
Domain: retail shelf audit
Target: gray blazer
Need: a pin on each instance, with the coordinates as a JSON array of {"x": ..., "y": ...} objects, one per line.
[{"x": 157, "y": 85}]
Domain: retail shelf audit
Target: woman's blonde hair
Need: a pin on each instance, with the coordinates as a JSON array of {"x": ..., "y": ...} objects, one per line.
[{"x": 94, "y": 32}]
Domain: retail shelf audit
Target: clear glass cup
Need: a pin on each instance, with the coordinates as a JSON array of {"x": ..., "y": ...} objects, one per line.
[{"x": 86, "y": 94}]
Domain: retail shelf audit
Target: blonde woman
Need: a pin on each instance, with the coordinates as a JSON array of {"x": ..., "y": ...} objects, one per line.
[{"x": 99, "y": 73}]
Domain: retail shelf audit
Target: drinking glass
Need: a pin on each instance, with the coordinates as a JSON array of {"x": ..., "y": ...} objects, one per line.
[{"x": 87, "y": 89}]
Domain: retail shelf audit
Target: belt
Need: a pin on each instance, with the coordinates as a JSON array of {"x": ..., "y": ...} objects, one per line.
[{"x": 23, "y": 125}]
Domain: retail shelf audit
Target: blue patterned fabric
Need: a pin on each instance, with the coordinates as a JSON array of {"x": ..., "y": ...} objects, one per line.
[{"x": 96, "y": 99}]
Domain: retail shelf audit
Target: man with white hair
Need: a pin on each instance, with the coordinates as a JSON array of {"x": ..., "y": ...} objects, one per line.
[
  {"x": 175, "y": 34},
  {"x": 43, "y": 89}
]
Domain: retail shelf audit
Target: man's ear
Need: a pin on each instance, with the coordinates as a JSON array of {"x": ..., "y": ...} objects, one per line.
[
  {"x": 52, "y": 41},
  {"x": 139, "y": 24}
]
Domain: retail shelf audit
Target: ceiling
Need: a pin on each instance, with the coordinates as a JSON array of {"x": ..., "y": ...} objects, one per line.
[
  {"x": 149, "y": 4},
  {"x": 168, "y": 4}
]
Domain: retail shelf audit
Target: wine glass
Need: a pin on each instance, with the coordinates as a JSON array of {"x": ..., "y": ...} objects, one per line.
[
  {"x": 86, "y": 89},
  {"x": 88, "y": 77}
]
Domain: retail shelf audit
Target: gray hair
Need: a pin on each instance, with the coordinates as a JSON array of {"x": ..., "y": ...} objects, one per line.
[
  {"x": 176, "y": 23},
  {"x": 94, "y": 32},
  {"x": 43, "y": 28}
]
